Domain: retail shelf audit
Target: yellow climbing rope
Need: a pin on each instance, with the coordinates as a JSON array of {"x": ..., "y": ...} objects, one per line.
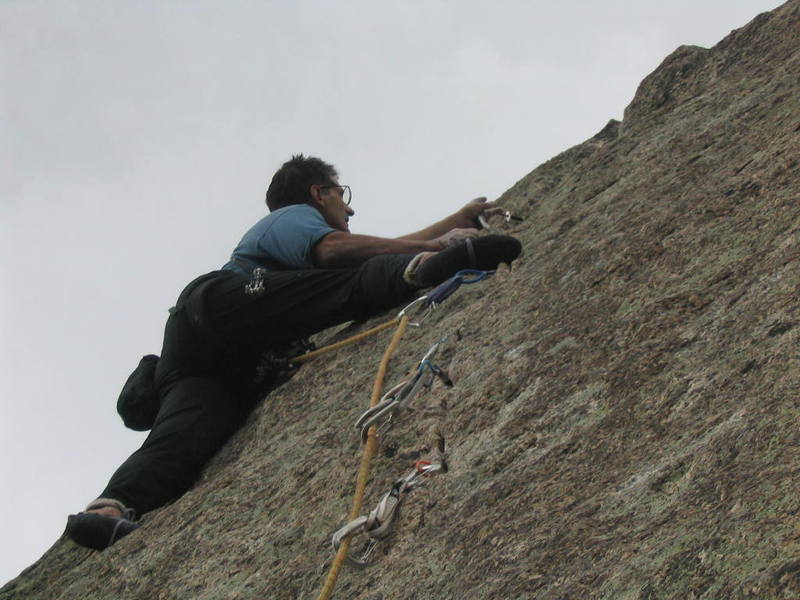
[
  {"x": 301, "y": 358},
  {"x": 370, "y": 448}
]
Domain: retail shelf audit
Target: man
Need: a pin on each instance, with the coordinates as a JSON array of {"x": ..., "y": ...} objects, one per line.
[{"x": 297, "y": 271}]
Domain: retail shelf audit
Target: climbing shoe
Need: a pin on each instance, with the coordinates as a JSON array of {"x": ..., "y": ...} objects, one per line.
[
  {"x": 483, "y": 253},
  {"x": 99, "y": 531}
]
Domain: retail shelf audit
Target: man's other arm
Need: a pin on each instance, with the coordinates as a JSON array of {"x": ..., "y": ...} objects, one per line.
[{"x": 339, "y": 250}]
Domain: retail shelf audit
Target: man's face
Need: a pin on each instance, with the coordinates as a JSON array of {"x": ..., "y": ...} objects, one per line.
[{"x": 328, "y": 199}]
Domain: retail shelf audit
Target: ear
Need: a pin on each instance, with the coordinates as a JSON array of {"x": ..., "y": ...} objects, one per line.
[{"x": 315, "y": 196}]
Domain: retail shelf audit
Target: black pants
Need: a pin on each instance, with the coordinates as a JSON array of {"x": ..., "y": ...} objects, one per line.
[{"x": 213, "y": 342}]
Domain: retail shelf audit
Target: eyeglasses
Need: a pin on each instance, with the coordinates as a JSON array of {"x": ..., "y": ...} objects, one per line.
[{"x": 344, "y": 190}]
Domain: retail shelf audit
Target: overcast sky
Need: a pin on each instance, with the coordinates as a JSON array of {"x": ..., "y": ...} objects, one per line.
[{"x": 137, "y": 140}]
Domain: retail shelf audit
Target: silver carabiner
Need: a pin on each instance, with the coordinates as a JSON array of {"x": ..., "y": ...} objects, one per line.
[
  {"x": 349, "y": 530},
  {"x": 396, "y": 398},
  {"x": 346, "y": 531},
  {"x": 416, "y": 302}
]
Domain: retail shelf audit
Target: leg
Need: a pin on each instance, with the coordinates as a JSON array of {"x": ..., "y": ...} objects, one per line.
[
  {"x": 198, "y": 413},
  {"x": 197, "y": 416},
  {"x": 296, "y": 304},
  {"x": 202, "y": 401}
]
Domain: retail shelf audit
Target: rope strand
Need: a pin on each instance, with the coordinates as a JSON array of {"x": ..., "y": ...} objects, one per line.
[
  {"x": 301, "y": 358},
  {"x": 366, "y": 458}
]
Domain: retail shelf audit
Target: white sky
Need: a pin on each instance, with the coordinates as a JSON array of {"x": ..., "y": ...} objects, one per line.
[{"x": 137, "y": 140}]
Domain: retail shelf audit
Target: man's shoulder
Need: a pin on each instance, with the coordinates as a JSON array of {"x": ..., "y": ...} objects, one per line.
[
  {"x": 289, "y": 215},
  {"x": 296, "y": 211},
  {"x": 283, "y": 238}
]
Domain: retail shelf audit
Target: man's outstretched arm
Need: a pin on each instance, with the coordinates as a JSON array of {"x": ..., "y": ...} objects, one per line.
[
  {"x": 339, "y": 249},
  {"x": 464, "y": 218}
]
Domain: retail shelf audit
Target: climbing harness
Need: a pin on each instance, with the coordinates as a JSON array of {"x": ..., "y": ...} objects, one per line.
[
  {"x": 401, "y": 395},
  {"x": 377, "y": 525},
  {"x": 275, "y": 361}
]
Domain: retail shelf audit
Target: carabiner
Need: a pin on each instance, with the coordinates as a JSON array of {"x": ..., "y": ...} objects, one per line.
[
  {"x": 349, "y": 530},
  {"x": 416, "y": 302}
]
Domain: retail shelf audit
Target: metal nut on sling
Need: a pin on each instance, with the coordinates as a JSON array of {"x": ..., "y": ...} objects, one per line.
[{"x": 256, "y": 285}]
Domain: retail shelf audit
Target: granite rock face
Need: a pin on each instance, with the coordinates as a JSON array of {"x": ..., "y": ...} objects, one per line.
[{"x": 624, "y": 423}]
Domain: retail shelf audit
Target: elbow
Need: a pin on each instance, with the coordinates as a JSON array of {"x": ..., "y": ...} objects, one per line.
[{"x": 326, "y": 253}]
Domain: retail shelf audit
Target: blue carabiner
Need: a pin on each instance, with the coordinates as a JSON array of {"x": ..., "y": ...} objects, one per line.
[
  {"x": 474, "y": 273},
  {"x": 437, "y": 371},
  {"x": 445, "y": 289}
]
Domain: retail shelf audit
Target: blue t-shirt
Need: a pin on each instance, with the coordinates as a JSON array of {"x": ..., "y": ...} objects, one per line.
[{"x": 282, "y": 240}]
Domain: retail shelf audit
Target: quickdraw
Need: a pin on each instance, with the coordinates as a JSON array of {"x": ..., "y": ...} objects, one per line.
[
  {"x": 400, "y": 395},
  {"x": 377, "y": 525},
  {"x": 446, "y": 289}
]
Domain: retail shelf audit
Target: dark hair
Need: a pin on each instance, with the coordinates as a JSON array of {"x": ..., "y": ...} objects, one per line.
[{"x": 290, "y": 183}]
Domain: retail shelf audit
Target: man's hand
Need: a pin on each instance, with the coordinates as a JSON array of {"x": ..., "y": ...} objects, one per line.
[
  {"x": 456, "y": 235},
  {"x": 469, "y": 213},
  {"x": 464, "y": 218}
]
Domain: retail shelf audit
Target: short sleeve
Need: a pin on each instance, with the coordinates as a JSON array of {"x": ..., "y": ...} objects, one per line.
[{"x": 291, "y": 235}]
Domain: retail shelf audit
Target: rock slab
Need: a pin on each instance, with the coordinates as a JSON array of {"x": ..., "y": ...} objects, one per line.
[{"x": 625, "y": 418}]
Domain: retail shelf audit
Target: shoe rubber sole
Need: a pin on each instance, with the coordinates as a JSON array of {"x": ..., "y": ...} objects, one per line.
[{"x": 97, "y": 531}]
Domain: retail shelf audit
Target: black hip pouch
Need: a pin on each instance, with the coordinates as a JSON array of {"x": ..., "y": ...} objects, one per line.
[{"x": 138, "y": 401}]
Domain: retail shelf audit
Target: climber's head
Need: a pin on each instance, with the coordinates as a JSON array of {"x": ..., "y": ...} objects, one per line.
[
  {"x": 309, "y": 180},
  {"x": 292, "y": 183}
]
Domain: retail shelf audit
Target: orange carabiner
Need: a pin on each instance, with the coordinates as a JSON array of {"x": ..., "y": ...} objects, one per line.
[{"x": 421, "y": 464}]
